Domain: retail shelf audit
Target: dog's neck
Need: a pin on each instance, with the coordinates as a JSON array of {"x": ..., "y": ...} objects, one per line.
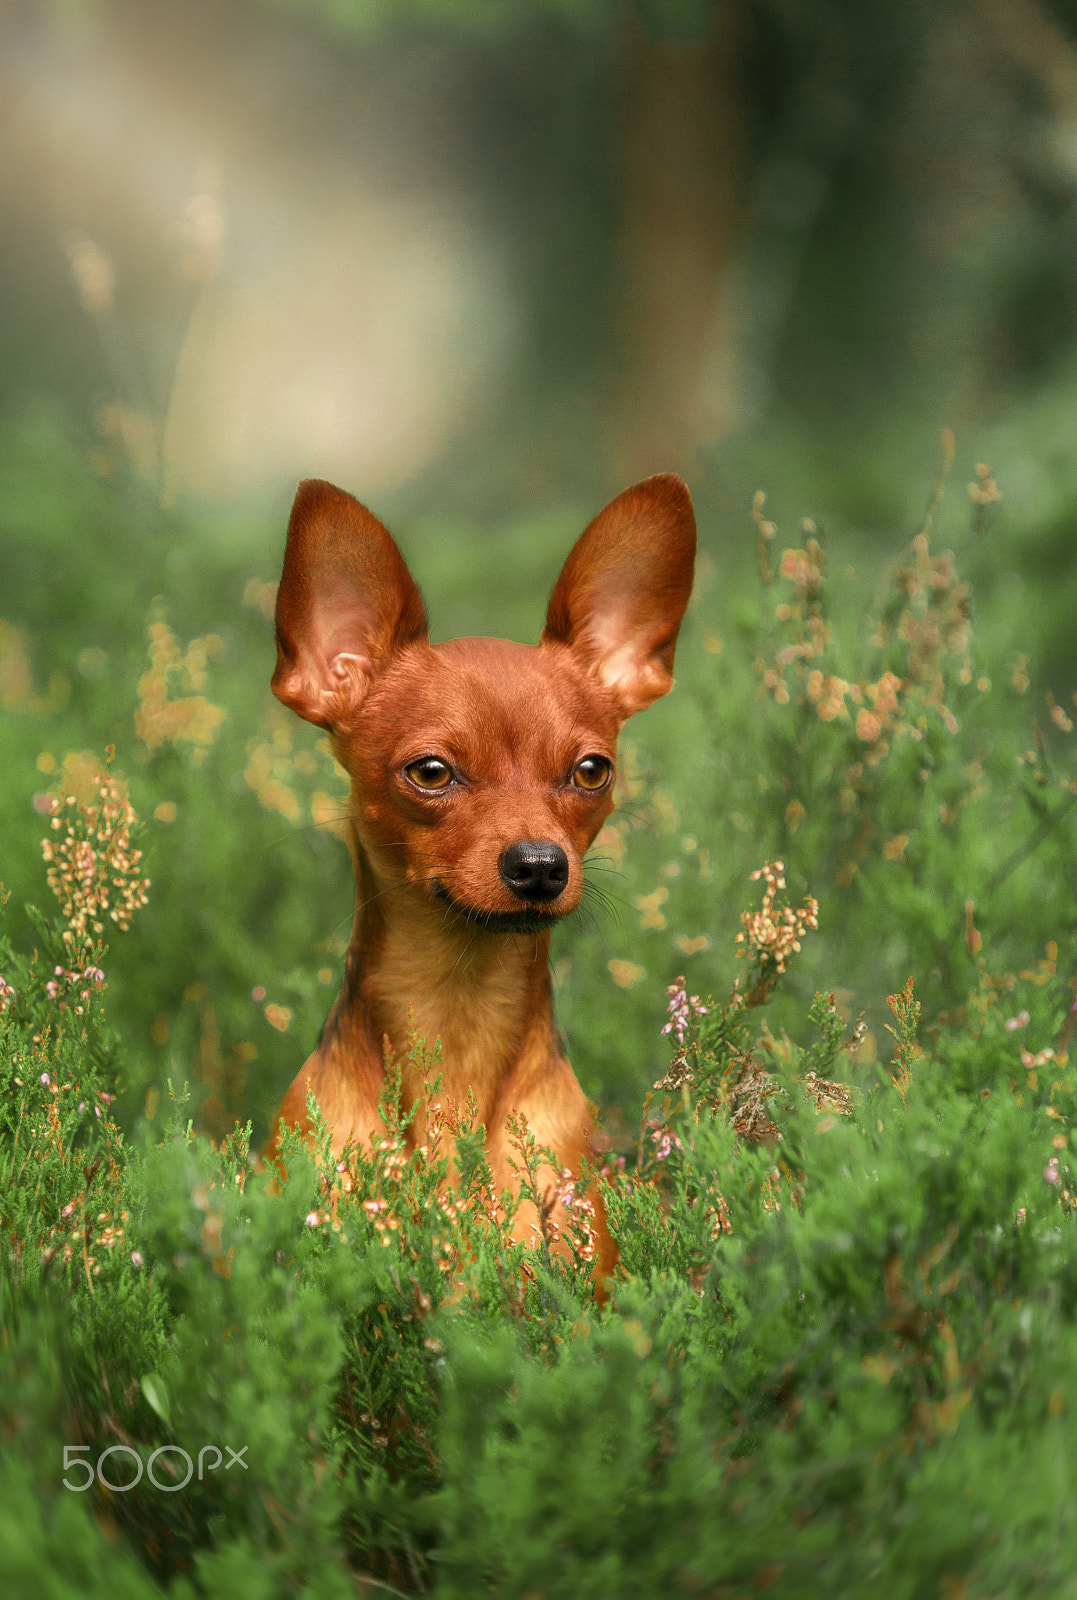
[{"x": 417, "y": 971}]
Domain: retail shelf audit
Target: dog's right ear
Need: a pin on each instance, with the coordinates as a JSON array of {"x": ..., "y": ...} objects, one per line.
[{"x": 345, "y": 604}]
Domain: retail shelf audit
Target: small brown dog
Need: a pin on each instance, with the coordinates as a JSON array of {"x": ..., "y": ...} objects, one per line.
[{"x": 481, "y": 772}]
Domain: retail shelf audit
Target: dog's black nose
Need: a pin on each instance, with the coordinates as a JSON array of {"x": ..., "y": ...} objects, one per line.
[{"x": 534, "y": 869}]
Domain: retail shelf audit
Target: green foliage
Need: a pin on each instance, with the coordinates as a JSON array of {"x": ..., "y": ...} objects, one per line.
[
  {"x": 839, "y": 1346},
  {"x": 838, "y": 1352}
]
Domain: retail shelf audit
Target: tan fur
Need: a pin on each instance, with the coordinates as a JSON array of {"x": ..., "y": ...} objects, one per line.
[{"x": 437, "y": 871}]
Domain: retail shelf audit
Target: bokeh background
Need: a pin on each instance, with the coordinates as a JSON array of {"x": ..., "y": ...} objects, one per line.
[{"x": 483, "y": 262}]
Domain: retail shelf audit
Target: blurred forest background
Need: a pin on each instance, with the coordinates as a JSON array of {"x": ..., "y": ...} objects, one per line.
[{"x": 484, "y": 262}]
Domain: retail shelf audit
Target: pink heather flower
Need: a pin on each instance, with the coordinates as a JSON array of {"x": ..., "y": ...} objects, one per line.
[
  {"x": 680, "y": 1002},
  {"x": 97, "y": 1111},
  {"x": 107, "y": 1098},
  {"x": 136, "y": 1257},
  {"x": 312, "y": 1219},
  {"x": 1020, "y": 1021},
  {"x": 46, "y": 1080},
  {"x": 82, "y": 1105},
  {"x": 1051, "y": 1172},
  {"x": 52, "y": 989},
  {"x": 94, "y": 975},
  {"x": 258, "y": 993},
  {"x": 666, "y": 1142}
]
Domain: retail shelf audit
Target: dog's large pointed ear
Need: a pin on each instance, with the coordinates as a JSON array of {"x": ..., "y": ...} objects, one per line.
[
  {"x": 623, "y": 590},
  {"x": 345, "y": 604}
]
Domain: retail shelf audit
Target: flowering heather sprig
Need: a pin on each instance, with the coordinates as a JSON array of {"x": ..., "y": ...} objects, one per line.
[
  {"x": 7, "y": 994},
  {"x": 666, "y": 1141},
  {"x": 680, "y": 1005},
  {"x": 89, "y": 976},
  {"x": 773, "y": 933},
  {"x": 94, "y": 866},
  {"x": 580, "y": 1218},
  {"x": 574, "y": 1221}
]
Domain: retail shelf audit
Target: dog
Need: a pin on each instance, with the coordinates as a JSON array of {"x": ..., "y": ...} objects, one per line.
[{"x": 481, "y": 771}]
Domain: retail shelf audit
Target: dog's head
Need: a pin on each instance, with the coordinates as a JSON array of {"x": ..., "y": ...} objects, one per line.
[{"x": 481, "y": 770}]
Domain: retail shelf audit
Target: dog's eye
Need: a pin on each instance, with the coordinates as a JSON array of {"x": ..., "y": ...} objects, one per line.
[
  {"x": 429, "y": 773},
  {"x": 593, "y": 772}
]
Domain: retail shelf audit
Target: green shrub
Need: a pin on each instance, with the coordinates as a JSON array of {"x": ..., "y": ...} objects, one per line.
[{"x": 839, "y": 1351}]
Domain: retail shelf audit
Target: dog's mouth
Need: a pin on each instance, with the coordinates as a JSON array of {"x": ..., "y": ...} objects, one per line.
[{"x": 529, "y": 921}]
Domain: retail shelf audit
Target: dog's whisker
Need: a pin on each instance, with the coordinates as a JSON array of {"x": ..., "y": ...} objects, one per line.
[
  {"x": 306, "y": 827},
  {"x": 593, "y": 898},
  {"x": 463, "y": 953},
  {"x": 393, "y": 888},
  {"x": 606, "y": 898}
]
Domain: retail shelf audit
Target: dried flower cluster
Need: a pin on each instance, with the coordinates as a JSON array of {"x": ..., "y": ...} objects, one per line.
[
  {"x": 748, "y": 1096},
  {"x": 718, "y": 1216},
  {"x": 93, "y": 868},
  {"x": 829, "y": 1095},
  {"x": 925, "y": 624},
  {"x": 164, "y": 717},
  {"x": 921, "y": 637},
  {"x": 773, "y": 933}
]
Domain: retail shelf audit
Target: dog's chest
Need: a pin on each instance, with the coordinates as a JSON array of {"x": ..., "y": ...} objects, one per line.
[{"x": 480, "y": 1011}]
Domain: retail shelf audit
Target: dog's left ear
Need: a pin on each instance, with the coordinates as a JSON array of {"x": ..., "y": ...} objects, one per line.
[{"x": 623, "y": 590}]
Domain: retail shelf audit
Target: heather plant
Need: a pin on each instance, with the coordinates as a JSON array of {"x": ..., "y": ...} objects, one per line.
[
  {"x": 826, "y": 1001},
  {"x": 818, "y": 1324},
  {"x": 889, "y": 754}
]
